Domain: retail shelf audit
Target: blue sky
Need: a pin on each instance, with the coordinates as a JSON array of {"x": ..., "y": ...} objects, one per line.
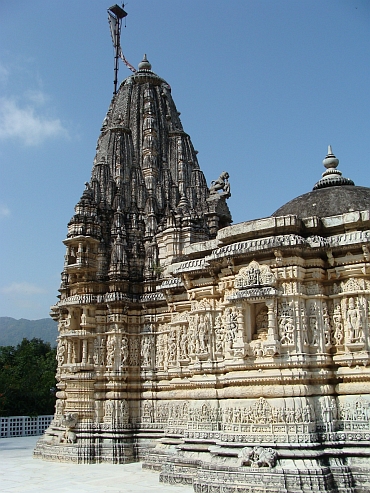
[{"x": 262, "y": 86}]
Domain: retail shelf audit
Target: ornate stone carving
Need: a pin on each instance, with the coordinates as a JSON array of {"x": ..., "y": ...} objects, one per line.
[
  {"x": 286, "y": 325},
  {"x": 69, "y": 421},
  {"x": 147, "y": 351},
  {"x": 222, "y": 183},
  {"x": 354, "y": 322},
  {"x": 257, "y": 457},
  {"x": 254, "y": 275},
  {"x": 124, "y": 351}
]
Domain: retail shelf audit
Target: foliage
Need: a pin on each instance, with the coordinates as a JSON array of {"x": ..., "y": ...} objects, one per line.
[{"x": 27, "y": 378}]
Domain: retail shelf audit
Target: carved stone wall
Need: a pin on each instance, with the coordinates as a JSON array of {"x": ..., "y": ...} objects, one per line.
[{"x": 215, "y": 354}]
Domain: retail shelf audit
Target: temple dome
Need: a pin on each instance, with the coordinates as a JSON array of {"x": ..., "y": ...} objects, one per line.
[{"x": 332, "y": 195}]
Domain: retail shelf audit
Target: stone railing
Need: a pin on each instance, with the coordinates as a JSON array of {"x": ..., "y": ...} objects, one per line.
[{"x": 23, "y": 426}]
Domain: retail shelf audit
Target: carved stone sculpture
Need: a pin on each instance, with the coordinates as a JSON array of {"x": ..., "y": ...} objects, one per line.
[{"x": 222, "y": 183}]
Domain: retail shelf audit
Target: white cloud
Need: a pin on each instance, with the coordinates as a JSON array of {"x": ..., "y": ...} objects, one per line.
[
  {"x": 22, "y": 288},
  {"x": 4, "y": 211},
  {"x": 26, "y": 124}
]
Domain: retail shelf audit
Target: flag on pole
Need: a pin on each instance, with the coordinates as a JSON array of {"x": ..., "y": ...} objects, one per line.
[
  {"x": 113, "y": 24},
  {"x": 114, "y": 31}
]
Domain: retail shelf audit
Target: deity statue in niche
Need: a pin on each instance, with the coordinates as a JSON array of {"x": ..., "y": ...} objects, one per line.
[
  {"x": 261, "y": 329},
  {"x": 124, "y": 411},
  {"x": 354, "y": 323},
  {"x": 261, "y": 323},
  {"x": 203, "y": 334},
  {"x": 108, "y": 410},
  {"x": 146, "y": 351},
  {"x": 184, "y": 344}
]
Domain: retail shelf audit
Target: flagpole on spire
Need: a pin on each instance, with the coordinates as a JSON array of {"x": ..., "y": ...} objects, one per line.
[{"x": 115, "y": 16}]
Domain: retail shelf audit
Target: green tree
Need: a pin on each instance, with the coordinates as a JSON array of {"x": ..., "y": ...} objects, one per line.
[{"x": 27, "y": 378}]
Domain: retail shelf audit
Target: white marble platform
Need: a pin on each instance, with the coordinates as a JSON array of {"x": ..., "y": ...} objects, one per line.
[{"x": 20, "y": 472}]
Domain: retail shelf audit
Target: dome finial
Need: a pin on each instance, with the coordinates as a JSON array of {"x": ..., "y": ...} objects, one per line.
[
  {"x": 144, "y": 64},
  {"x": 332, "y": 177},
  {"x": 330, "y": 160}
]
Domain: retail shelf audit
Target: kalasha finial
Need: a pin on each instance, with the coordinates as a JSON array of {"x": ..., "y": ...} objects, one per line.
[
  {"x": 332, "y": 177},
  {"x": 144, "y": 64},
  {"x": 330, "y": 160}
]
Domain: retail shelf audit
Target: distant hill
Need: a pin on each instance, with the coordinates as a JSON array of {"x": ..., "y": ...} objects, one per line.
[{"x": 12, "y": 331}]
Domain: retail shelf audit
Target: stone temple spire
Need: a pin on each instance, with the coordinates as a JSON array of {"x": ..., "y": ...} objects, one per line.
[
  {"x": 146, "y": 202},
  {"x": 147, "y": 169}
]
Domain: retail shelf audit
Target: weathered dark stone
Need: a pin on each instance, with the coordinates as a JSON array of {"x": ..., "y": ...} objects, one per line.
[{"x": 329, "y": 201}]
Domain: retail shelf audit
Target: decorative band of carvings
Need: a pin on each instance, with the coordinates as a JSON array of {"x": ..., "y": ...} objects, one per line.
[
  {"x": 174, "y": 282},
  {"x": 284, "y": 241},
  {"x": 256, "y": 245},
  {"x": 191, "y": 265},
  {"x": 151, "y": 297},
  {"x": 263, "y": 292},
  {"x": 90, "y": 299}
]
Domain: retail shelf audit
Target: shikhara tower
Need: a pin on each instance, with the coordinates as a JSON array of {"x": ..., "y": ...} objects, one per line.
[{"x": 234, "y": 358}]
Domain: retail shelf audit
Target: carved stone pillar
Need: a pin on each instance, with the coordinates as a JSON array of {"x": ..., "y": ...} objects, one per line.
[{"x": 271, "y": 346}]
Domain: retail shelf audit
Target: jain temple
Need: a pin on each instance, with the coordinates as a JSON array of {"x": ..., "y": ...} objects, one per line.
[{"x": 233, "y": 358}]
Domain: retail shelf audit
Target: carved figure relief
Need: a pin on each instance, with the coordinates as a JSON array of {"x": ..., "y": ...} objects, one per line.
[
  {"x": 134, "y": 351},
  {"x": 184, "y": 341},
  {"x": 354, "y": 322},
  {"x": 124, "y": 351},
  {"x": 96, "y": 353},
  {"x": 161, "y": 351},
  {"x": 230, "y": 326},
  {"x": 254, "y": 275},
  {"x": 61, "y": 352},
  {"x": 111, "y": 349},
  {"x": 257, "y": 457},
  {"x": 263, "y": 413},
  {"x": 146, "y": 351},
  {"x": 108, "y": 410},
  {"x": 355, "y": 410},
  {"x": 219, "y": 335},
  {"x": 124, "y": 412},
  {"x": 326, "y": 325},
  {"x": 304, "y": 327},
  {"x": 338, "y": 325},
  {"x": 286, "y": 324},
  {"x": 313, "y": 325}
]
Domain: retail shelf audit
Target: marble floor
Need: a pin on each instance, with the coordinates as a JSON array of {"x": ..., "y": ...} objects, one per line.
[{"x": 20, "y": 472}]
